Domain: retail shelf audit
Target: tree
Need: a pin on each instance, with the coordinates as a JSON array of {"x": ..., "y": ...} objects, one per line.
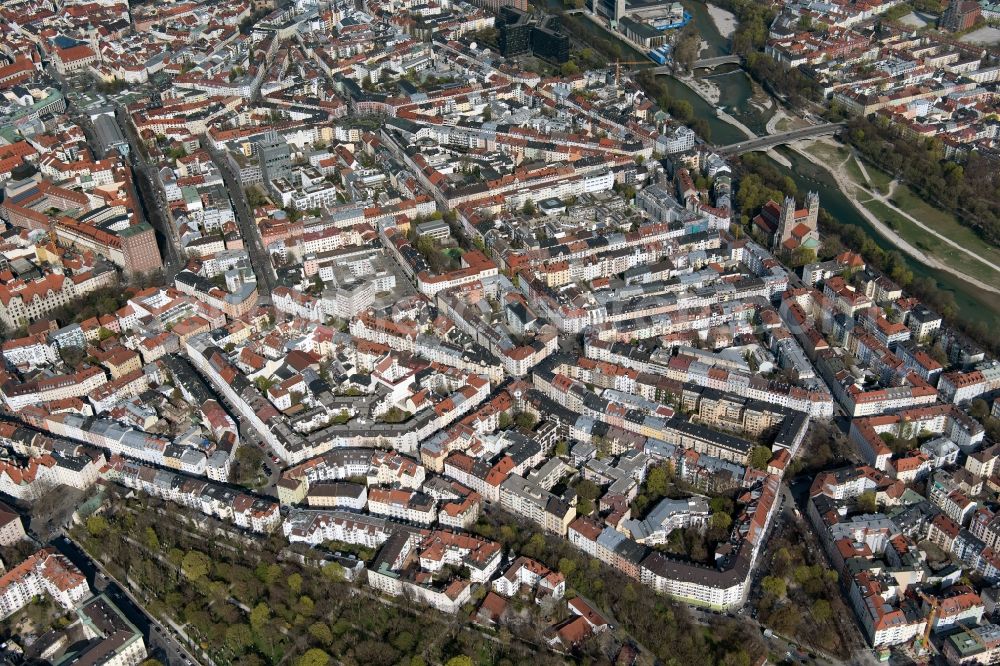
[
  {"x": 993, "y": 429},
  {"x": 175, "y": 556},
  {"x": 305, "y": 606},
  {"x": 687, "y": 48},
  {"x": 395, "y": 415},
  {"x": 738, "y": 658},
  {"x": 802, "y": 256},
  {"x": 938, "y": 353},
  {"x": 721, "y": 504},
  {"x": 321, "y": 633},
  {"x": 72, "y": 356},
  {"x": 587, "y": 489},
  {"x": 821, "y": 610},
  {"x": 760, "y": 456},
  {"x": 786, "y": 619},
  {"x": 314, "y": 657},
  {"x": 535, "y": 546},
  {"x": 867, "y": 502},
  {"x": 656, "y": 482},
  {"x": 979, "y": 410},
  {"x": 317, "y": 285},
  {"x": 525, "y": 420},
  {"x": 720, "y": 522},
  {"x": 333, "y": 572},
  {"x": 255, "y": 197},
  {"x": 195, "y": 565},
  {"x": 696, "y": 547},
  {"x": 175, "y": 152},
  {"x": 774, "y": 585},
  {"x": 403, "y": 641},
  {"x": 259, "y": 617},
  {"x": 268, "y": 573},
  {"x": 803, "y": 574},
  {"x": 238, "y": 637},
  {"x": 97, "y": 526},
  {"x": 295, "y": 583},
  {"x": 152, "y": 541},
  {"x": 460, "y": 660},
  {"x": 569, "y": 68}
]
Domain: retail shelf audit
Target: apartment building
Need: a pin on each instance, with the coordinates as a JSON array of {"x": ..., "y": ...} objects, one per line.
[
  {"x": 45, "y": 572},
  {"x": 406, "y": 505},
  {"x": 531, "y": 501}
]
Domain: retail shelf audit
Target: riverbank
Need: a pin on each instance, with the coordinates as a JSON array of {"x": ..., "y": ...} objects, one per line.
[
  {"x": 705, "y": 90},
  {"x": 779, "y": 117},
  {"x": 724, "y": 20},
  {"x": 782, "y": 121},
  {"x": 709, "y": 92},
  {"x": 932, "y": 231},
  {"x": 850, "y": 190}
]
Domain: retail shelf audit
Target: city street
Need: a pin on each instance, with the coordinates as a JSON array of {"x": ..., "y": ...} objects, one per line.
[
  {"x": 589, "y": 348},
  {"x": 161, "y": 642},
  {"x": 266, "y": 279},
  {"x": 153, "y": 201},
  {"x": 788, "y": 517}
]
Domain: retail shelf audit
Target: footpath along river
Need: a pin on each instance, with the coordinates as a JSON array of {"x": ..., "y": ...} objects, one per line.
[{"x": 736, "y": 96}]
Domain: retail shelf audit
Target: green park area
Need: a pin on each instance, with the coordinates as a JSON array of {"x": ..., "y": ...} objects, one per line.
[{"x": 892, "y": 201}]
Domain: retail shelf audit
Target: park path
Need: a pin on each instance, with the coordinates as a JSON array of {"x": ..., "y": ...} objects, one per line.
[
  {"x": 885, "y": 200},
  {"x": 849, "y": 189}
]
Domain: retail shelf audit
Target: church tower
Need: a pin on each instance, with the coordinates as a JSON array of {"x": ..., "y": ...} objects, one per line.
[
  {"x": 786, "y": 222},
  {"x": 812, "y": 205}
]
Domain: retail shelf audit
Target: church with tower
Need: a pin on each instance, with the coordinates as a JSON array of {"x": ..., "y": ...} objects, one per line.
[{"x": 788, "y": 228}]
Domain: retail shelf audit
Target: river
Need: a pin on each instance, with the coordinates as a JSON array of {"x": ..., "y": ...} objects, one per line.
[
  {"x": 974, "y": 304},
  {"x": 736, "y": 95}
]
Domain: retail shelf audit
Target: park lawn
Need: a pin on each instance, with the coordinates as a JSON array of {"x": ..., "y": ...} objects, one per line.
[
  {"x": 944, "y": 223},
  {"x": 832, "y": 155},
  {"x": 941, "y": 221},
  {"x": 879, "y": 179},
  {"x": 854, "y": 171},
  {"x": 919, "y": 238}
]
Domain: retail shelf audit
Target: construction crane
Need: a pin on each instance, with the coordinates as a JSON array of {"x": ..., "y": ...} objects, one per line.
[
  {"x": 619, "y": 63},
  {"x": 969, "y": 632},
  {"x": 931, "y": 617},
  {"x": 934, "y": 602}
]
